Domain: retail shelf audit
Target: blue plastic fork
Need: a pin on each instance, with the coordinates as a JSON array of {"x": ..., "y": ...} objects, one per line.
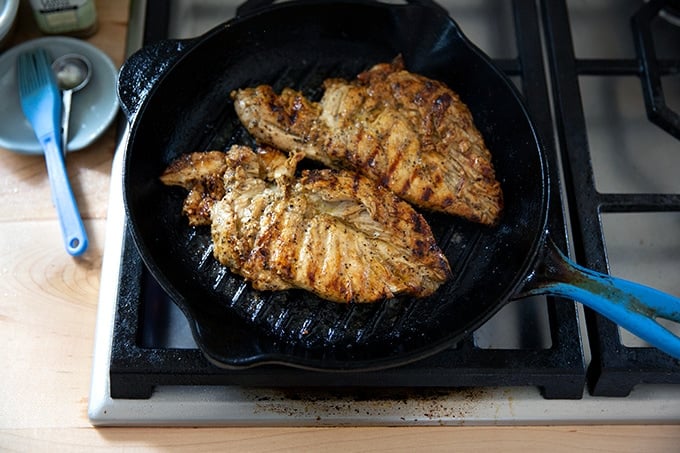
[{"x": 41, "y": 102}]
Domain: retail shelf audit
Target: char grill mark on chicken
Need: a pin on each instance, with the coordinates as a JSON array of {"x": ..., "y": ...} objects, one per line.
[
  {"x": 333, "y": 233},
  {"x": 407, "y": 132}
]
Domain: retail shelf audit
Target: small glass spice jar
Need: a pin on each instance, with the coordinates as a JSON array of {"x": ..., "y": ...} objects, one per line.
[{"x": 65, "y": 17}]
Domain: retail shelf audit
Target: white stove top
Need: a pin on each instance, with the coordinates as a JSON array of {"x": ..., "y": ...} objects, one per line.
[{"x": 639, "y": 247}]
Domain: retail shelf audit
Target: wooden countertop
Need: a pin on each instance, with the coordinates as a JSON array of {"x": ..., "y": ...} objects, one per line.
[{"x": 48, "y": 304}]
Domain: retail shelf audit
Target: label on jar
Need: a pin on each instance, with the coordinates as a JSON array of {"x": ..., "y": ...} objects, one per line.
[{"x": 64, "y": 16}]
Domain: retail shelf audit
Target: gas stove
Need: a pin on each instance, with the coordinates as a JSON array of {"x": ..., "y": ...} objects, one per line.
[{"x": 603, "y": 95}]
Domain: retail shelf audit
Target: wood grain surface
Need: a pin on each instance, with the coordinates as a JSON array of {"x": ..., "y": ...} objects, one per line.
[{"x": 48, "y": 303}]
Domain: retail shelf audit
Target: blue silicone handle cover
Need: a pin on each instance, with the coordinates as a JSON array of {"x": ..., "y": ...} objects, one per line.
[{"x": 632, "y": 306}]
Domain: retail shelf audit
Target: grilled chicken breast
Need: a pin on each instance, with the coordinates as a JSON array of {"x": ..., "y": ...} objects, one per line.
[
  {"x": 333, "y": 233},
  {"x": 407, "y": 132}
]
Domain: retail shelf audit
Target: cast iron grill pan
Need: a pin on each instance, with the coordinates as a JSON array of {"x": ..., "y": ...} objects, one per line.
[{"x": 187, "y": 108}]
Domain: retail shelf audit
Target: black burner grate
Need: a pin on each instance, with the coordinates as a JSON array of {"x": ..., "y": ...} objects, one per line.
[
  {"x": 652, "y": 67},
  {"x": 615, "y": 369},
  {"x": 558, "y": 370}
]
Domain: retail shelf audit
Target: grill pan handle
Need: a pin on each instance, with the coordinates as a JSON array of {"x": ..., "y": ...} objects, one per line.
[
  {"x": 143, "y": 69},
  {"x": 632, "y": 306}
]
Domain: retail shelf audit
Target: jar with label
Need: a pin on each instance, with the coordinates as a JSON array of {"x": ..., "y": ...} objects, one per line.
[{"x": 65, "y": 17}]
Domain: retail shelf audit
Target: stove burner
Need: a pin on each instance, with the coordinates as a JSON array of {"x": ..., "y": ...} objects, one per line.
[
  {"x": 137, "y": 365},
  {"x": 140, "y": 363}
]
